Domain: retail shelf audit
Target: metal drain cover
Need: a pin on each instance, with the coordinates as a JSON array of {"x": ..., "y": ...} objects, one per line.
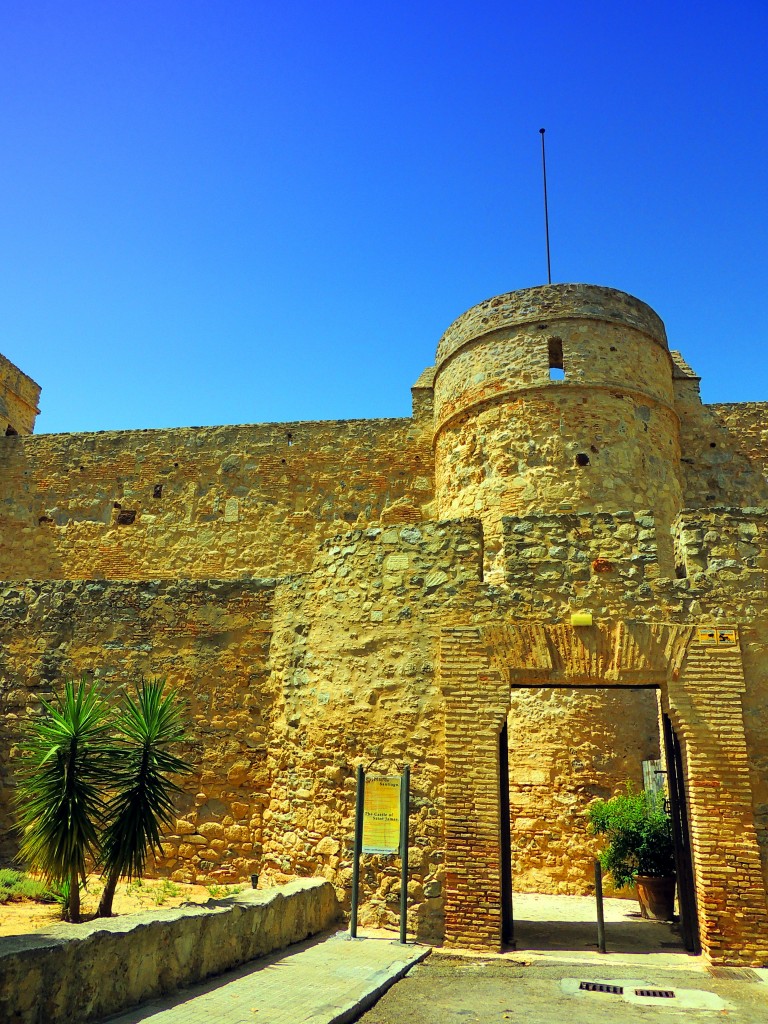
[
  {"x": 596, "y": 986},
  {"x": 643, "y": 992}
]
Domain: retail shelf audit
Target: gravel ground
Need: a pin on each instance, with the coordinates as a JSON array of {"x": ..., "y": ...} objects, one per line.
[{"x": 459, "y": 990}]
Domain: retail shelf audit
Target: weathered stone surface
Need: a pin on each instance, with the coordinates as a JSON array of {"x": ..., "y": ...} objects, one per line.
[{"x": 260, "y": 510}]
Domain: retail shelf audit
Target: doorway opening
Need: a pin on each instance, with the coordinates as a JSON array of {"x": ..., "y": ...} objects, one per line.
[{"x": 561, "y": 748}]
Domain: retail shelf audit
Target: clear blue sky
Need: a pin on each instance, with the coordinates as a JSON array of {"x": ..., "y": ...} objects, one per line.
[{"x": 245, "y": 211}]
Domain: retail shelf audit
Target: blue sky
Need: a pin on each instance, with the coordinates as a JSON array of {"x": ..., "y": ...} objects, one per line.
[{"x": 246, "y": 211}]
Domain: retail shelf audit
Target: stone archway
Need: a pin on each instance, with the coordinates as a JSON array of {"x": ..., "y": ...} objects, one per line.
[{"x": 701, "y": 690}]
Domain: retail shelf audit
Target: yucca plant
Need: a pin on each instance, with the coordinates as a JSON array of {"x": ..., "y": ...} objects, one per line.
[
  {"x": 141, "y": 779},
  {"x": 65, "y": 761}
]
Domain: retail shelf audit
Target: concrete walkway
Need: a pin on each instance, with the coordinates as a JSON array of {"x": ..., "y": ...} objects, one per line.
[{"x": 329, "y": 980}]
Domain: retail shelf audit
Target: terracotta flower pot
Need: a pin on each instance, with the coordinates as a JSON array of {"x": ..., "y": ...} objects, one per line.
[{"x": 656, "y": 896}]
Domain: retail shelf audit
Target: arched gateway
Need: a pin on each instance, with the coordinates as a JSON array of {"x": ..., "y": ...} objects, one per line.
[{"x": 701, "y": 689}]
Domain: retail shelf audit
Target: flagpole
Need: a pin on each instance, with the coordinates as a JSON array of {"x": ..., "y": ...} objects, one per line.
[{"x": 546, "y": 205}]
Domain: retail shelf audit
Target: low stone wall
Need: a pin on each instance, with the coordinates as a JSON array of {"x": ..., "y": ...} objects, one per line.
[{"x": 72, "y": 974}]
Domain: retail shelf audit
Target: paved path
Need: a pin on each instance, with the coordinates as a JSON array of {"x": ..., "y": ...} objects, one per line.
[
  {"x": 449, "y": 990},
  {"x": 563, "y": 927},
  {"x": 322, "y": 981}
]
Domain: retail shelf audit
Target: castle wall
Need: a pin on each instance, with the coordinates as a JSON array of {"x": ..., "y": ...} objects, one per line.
[
  {"x": 355, "y": 651},
  {"x": 201, "y": 503},
  {"x": 211, "y": 640},
  {"x": 746, "y": 425},
  {"x": 388, "y": 636},
  {"x": 600, "y": 562},
  {"x": 19, "y": 396},
  {"x": 292, "y": 684},
  {"x": 288, "y": 685}
]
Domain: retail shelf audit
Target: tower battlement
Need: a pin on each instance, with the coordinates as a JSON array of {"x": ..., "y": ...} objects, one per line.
[{"x": 558, "y": 398}]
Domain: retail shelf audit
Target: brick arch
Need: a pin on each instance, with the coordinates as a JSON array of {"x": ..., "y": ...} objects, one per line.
[
  {"x": 615, "y": 654},
  {"x": 701, "y": 690}
]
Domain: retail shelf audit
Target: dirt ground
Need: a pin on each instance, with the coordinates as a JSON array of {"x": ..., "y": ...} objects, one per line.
[{"x": 130, "y": 898}]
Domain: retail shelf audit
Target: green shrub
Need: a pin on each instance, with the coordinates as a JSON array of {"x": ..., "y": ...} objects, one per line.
[
  {"x": 9, "y": 877},
  {"x": 639, "y": 833},
  {"x": 16, "y": 885},
  {"x": 164, "y": 891},
  {"x": 220, "y": 891}
]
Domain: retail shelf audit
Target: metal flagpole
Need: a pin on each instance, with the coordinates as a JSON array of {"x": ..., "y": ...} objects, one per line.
[{"x": 546, "y": 205}]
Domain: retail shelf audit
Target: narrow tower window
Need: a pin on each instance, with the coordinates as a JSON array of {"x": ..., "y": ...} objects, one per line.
[{"x": 556, "y": 371}]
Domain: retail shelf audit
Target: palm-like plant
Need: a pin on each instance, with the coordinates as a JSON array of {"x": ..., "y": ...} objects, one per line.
[
  {"x": 59, "y": 796},
  {"x": 143, "y": 790}
]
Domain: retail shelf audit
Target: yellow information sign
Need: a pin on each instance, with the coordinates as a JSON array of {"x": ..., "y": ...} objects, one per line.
[
  {"x": 381, "y": 815},
  {"x": 706, "y": 635},
  {"x": 716, "y": 636}
]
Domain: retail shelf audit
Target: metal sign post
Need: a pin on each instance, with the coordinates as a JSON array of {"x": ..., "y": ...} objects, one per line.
[
  {"x": 405, "y": 786},
  {"x": 357, "y": 849}
]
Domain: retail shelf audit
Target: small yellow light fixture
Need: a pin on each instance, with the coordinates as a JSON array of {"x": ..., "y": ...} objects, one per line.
[{"x": 581, "y": 618}]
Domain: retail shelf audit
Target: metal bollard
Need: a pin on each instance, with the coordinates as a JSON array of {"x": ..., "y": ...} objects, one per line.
[{"x": 599, "y": 901}]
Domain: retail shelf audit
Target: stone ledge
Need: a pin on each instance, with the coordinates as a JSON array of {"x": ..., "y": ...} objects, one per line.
[{"x": 72, "y": 974}]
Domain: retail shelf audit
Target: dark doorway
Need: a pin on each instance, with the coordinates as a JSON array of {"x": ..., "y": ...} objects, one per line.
[{"x": 678, "y": 809}]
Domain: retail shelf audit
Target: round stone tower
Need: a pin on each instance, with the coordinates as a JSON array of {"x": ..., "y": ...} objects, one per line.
[{"x": 557, "y": 398}]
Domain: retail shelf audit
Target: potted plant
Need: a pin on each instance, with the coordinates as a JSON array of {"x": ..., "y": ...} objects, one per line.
[{"x": 640, "y": 850}]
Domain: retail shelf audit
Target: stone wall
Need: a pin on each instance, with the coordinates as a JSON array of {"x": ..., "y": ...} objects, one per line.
[
  {"x": 72, "y": 974},
  {"x": 292, "y": 683},
  {"x": 724, "y": 455},
  {"x": 731, "y": 542},
  {"x": 211, "y": 641},
  {"x": 289, "y": 686},
  {"x": 200, "y": 503},
  {"x": 354, "y": 654},
  {"x": 531, "y": 454},
  {"x": 552, "y": 302},
  {"x": 596, "y": 562},
  {"x": 19, "y": 396},
  {"x": 746, "y": 424}
]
